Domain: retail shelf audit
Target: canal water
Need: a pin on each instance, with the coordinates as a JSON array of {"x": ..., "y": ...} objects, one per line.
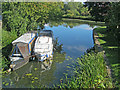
[{"x": 72, "y": 41}]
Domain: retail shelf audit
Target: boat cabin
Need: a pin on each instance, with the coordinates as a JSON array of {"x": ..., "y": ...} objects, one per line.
[
  {"x": 43, "y": 48},
  {"x": 22, "y": 46}
]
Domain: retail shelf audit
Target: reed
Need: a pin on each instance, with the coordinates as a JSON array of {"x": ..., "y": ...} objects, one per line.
[{"x": 89, "y": 72}]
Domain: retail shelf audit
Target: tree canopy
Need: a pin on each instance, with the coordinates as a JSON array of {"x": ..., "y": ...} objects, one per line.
[
  {"x": 109, "y": 12},
  {"x": 19, "y": 17},
  {"x": 73, "y": 9},
  {"x": 113, "y": 18},
  {"x": 98, "y": 10}
]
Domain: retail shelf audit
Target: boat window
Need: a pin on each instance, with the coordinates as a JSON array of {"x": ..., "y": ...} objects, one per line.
[{"x": 16, "y": 52}]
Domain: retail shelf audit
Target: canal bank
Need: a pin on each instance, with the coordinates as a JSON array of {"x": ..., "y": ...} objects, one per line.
[
  {"x": 98, "y": 48},
  {"x": 110, "y": 45},
  {"x": 84, "y": 21},
  {"x": 92, "y": 70}
]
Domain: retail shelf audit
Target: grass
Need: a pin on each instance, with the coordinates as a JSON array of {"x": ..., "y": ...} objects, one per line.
[
  {"x": 83, "y": 20},
  {"x": 7, "y": 38},
  {"x": 83, "y": 17},
  {"x": 102, "y": 41},
  {"x": 109, "y": 42},
  {"x": 89, "y": 18},
  {"x": 90, "y": 72}
]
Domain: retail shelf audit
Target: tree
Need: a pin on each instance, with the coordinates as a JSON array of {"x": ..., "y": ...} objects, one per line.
[
  {"x": 73, "y": 9},
  {"x": 113, "y": 17},
  {"x": 84, "y": 11},
  {"x": 20, "y": 17},
  {"x": 98, "y": 10}
]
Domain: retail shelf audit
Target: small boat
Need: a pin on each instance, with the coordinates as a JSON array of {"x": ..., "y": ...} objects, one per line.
[
  {"x": 43, "y": 48},
  {"x": 22, "y": 50}
]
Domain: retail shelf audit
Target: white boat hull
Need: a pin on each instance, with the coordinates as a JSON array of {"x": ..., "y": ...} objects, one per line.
[{"x": 43, "y": 48}]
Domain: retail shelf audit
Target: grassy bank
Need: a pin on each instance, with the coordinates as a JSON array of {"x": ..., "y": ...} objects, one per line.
[
  {"x": 109, "y": 43},
  {"x": 90, "y": 72},
  {"x": 90, "y": 18},
  {"x": 84, "y": 21}
]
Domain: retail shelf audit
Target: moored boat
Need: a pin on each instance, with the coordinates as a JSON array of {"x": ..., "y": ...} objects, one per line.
[
  {"x": 22, "y": 50},
  {"x": 43, "y": 48}
]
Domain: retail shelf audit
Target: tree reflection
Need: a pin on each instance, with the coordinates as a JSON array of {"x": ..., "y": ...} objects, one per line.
[
  {"x": 71, "y": 23},
  {"x": 59, "y": 55}
]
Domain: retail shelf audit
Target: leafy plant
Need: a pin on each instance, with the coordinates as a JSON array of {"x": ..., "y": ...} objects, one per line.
[{"x": 90, "y": 72}]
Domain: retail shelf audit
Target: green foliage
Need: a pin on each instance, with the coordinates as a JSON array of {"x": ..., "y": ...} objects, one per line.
[
  {"x": 113, "y": 18},
  {"x": 90, "y": 72},
  {"x": 5, "y": 62},
  {"x": 25, "y": 16},
  {"x": 7, "y": 38},
  {"x": 98, "y": 9},
  {"x": 84, "y": 11},
  {"x": 20, "y": 17},
  {"x": 111, "y": 50},
  {"x": 73, "y": 9}
]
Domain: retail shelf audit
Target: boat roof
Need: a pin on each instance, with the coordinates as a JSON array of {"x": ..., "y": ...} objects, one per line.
[
  {"x": 25, "y": 38},
  {"x": 46, "y": 33}
]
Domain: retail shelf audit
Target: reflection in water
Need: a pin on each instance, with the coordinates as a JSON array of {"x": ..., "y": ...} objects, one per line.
[
  {"x": 57, "y": 47},
  {"x": 72, "y": 23},
  {"x": 46, "y": 65},
  {"x": 59, "y": 55},
  {"x": 32, "y": 72},
  {"x": 72, "y": 39},
  {"x": 36, "y": 73},
  {"x": 76, "y": 48},
  {"x": 75, "y": 41}
]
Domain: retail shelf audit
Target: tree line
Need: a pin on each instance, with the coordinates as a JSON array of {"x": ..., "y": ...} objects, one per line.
[
  {"x": 75, "y": 9},
  {"x": 109, "y": 12},
  {"x": 19, "y": 17}
]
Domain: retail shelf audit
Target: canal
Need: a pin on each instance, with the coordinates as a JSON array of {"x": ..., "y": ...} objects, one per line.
[{"x": 72, "y": 40}]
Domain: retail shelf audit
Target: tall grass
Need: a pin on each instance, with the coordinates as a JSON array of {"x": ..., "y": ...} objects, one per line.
[
  {"x": 89, "y": 72},
  {"x": 7, "y": 38}
]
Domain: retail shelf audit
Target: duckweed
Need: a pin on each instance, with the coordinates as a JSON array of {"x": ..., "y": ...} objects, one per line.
[
  {"x": 68, "y": 67},
  {"x": 67, "y": 59},
  {"x": 36, "y": 78},
  {"x": 6, "y": 84},
  {"x": 3, "y": 82},
  {"x": 29, "y": 74},
  {"x": 32, "y": 81},
  {"x": 35, "y": 69}
]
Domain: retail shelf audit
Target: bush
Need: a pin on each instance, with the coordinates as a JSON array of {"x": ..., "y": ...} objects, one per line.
[{"x": 7, "y": 38}]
